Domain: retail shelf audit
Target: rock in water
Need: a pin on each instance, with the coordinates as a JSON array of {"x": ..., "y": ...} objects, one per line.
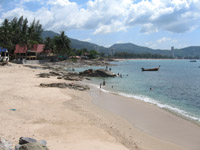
[{"x": 97, "y": 73}]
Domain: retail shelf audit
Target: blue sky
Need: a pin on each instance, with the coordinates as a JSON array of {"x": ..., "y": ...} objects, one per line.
[{"x": 157, "y": 24}]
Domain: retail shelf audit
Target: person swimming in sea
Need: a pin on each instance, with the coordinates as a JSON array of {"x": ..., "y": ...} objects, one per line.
[{"x": 104, "y": 82}]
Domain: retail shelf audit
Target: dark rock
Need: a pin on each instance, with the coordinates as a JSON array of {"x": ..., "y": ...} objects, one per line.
[
  {"x": 65, "y": 85},
  {"x": 62, "y": 75},
  {"x": 44, "y": 75},
  {"x": 97, "y": 73},
  {"x": 32, "y": 146},
  {"x": 72, "y": 78},
  {"x": 59, "y": 77},
  {"x": 52, "y": 73},
  {"x": 25, "y": 140}
]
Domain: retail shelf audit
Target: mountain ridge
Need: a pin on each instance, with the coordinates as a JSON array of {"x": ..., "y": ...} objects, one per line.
[{"x": 191, "y": 51}]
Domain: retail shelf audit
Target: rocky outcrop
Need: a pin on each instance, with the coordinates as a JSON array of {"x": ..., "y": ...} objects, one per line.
[
  {"x": 65, "y": 85},
  {"x": 5, "y": 145},
  {"x": 32, "y": 146},
  {"x": 26, "y": 143},
  {"x": 62, "y": 75},
  {"x": 97, "y": 73}
]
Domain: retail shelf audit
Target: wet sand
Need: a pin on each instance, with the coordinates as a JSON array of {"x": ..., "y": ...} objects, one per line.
[{"x": 150, "y": 119}]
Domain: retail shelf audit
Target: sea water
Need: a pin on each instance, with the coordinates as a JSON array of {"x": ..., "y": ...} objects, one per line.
[{"x": 175, "y": 87}]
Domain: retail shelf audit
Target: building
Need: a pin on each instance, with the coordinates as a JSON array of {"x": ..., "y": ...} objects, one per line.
[
  {"x": 111, "y": 52},
  {"x": 172, "y": 52},
  {"x": 21, "y": 51}
]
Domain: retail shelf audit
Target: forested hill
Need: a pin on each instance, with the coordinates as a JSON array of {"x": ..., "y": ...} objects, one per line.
[
  {"x": 132, "y": 48},
  {"x": 77, "y": 44},
  {"x": 193, "y": 51}
]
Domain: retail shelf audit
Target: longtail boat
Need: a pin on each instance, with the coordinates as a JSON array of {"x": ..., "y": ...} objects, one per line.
[{"x": 151, "y": 69}]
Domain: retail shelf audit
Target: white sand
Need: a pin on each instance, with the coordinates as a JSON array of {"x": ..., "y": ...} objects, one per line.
[{"x": 66, "y": 119}]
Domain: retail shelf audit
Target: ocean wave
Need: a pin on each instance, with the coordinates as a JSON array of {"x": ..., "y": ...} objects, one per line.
[{"x": 152, "y": 101}]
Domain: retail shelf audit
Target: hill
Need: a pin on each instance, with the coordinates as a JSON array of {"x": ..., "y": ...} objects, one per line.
[
  {"x": 192, "y": 51},
  {"x": 77, "y": 44},
  {"x": 132, "y": 48}
]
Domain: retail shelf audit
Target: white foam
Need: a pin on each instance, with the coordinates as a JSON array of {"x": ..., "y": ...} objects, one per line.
[
  {"x": 160, "y": 105},
  {"x": 152, "y": 101}
]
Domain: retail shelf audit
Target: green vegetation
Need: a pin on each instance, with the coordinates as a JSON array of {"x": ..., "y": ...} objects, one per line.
[
  {"x": 131, "y": 49},
  {"x": 58, "y": 44},
  {"x": 131, "y": 55},
  {"x": 91, "y": 54},
  {"x": 17, "y": 31}
]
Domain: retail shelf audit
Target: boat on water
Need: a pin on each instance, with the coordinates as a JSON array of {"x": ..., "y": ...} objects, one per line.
[
  {"x": 151, "y": 69},
  {"x": 193, "y": 60}
]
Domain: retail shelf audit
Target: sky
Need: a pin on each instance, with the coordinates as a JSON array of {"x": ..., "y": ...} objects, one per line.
[{"x": 158, "y": 24}]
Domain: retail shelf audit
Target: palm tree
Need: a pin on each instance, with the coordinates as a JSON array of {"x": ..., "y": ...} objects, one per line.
[
  {"x": 48, "y": 44},
  {"x": 6, "y": 36},
  {"x": 62, "y": 44},
  {"x": 17, "y": 31}
]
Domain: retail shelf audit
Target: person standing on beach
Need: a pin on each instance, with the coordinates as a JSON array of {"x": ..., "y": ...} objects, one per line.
[{"x": 100, "y": 85}]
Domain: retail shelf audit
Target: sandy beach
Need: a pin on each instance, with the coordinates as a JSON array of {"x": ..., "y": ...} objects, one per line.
[{"x": 85, "y": 120}]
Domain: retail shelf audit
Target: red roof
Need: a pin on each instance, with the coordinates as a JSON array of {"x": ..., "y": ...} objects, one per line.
[
  {"x": 38, "y": 48},
  {"x": 20, "y": 49}
]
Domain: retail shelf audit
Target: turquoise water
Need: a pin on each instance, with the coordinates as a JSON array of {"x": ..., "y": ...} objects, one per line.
[{"x": 176, "y": 86}]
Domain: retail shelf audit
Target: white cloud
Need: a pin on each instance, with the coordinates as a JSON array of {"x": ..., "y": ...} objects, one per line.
[
  {"x": 87, "y": 40},
  {"x": 166, "y": 39},
  {"x": 163, "y": 40},
  {"x": 106, "y": 16}
]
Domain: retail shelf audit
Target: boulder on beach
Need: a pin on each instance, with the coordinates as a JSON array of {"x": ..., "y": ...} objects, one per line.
[
  {"x": 97, "y": 73},
  {"x": 32, "y": 146},
  {"x": 26, "y": 143},
  {"x": 65, "y": 85},
  {"x": 5, "y": 145}
]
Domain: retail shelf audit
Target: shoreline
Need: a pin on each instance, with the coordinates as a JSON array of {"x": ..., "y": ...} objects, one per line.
[
  {"x": 173, "y": 110},
  {"x": 156, "y": 128},
  {"x": 69, "y": 119}
]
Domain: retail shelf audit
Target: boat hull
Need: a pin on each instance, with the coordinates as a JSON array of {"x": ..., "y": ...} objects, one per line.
[{"x": 152, "y": 69}]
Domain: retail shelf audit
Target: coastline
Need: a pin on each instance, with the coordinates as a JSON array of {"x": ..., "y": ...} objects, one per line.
[
  {"x": 173, "y": 110},
  {"x": 70, "y": 119},
  {"x": 150, "y": 119}
]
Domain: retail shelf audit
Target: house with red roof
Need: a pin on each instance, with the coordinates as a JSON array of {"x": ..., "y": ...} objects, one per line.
[{"x": 22, "y": 51}]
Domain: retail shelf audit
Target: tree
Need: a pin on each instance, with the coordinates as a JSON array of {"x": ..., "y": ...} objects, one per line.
[
  {"x": 6, "y": 36},
  {"x": 62, "y": 44},
  {"x": 17, "y": 31},
  {"x": 49, "y": 45},
  {"x": 93, "y": 54}
]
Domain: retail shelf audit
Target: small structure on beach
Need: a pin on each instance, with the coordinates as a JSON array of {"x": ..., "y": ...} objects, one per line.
[
  {"x": 4, "y": 57},
  {"x": 22, "y": 51}
]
